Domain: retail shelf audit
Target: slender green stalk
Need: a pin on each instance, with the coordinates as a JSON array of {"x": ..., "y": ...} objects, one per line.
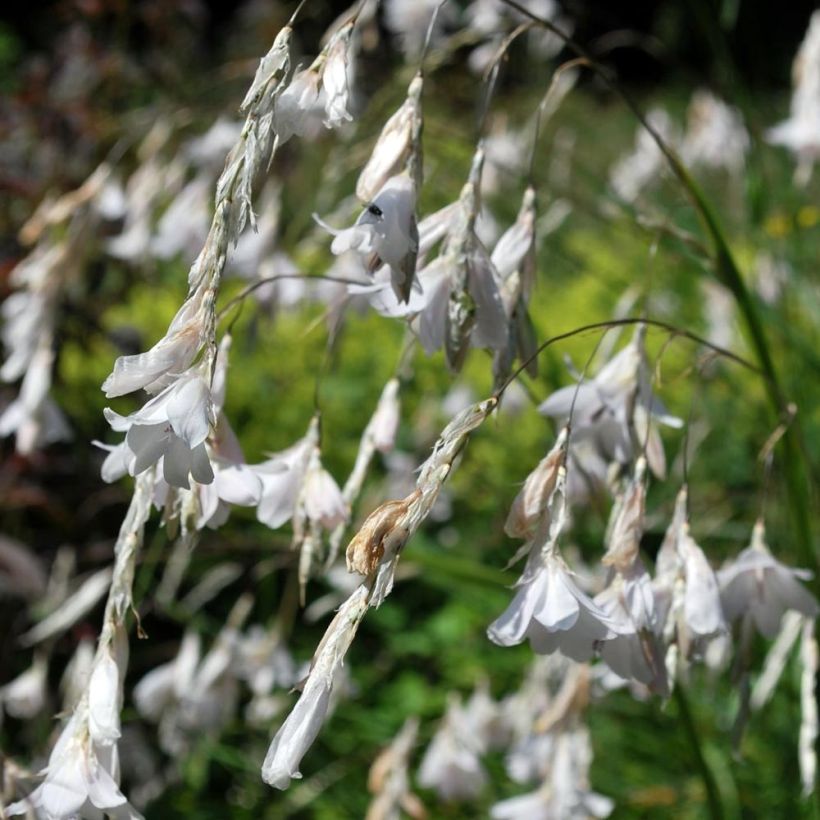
[
  {"x": 712, "y": 792},
  {"x": 728, "y": 272}
]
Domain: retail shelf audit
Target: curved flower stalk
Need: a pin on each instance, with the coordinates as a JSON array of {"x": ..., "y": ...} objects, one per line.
[
  {"x": 63, "y": 230},
  {"x": 549, "y": 608},
  {"x": 373, "y": 552},
  {"x": 83, "y": 770},
  {"x": 194, "y": 325},
  {"x": 616, "y": 411},
  {"x": 389, "y": 781},
  {"x": 757, "y": 587},
  {"x": 800, "y": 133}
]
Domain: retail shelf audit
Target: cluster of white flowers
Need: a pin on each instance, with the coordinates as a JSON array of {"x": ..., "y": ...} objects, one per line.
[{"x": 800, "y": 133}]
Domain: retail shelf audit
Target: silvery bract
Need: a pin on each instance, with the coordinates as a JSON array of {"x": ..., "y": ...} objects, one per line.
[
  {"x": 394, "y": 145},
  {"x": 757, "y": 585}
]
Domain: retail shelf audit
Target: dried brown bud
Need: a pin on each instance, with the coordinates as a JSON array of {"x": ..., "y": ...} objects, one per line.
[{"x": 367, "y": 548}]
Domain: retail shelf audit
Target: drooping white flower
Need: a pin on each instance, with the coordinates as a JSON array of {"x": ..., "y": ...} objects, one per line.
[
  {"x": 715, "y": 135},
  {"x": 282, "y": 477},
  {"x": 758, "y": 585},
  {"x": 105, "y": 691},
  {"x": 25, "y": 696},
  {"x": 386, "y": 233},
  {"x": 616, "y": 407},
  {"x": 686, "y": 591},
  {"x": 549, "y": 609},
  {"x": 80, "y": 780},
  {"x": 635, "y": 172},
  {"x": 173, "y": 427},
  {"x": 155, "y": 369},
  {"x": 800, "y": 133},
  {"x": 452, "y": 764},
  {"x": 552, "y": 612},
  {"x": 463, "y": 304}
]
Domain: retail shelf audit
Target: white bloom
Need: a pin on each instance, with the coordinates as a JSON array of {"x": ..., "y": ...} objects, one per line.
[
  {"x": 451, "y": 764},
  {"x": 74, "y": 681},
  {"x": 607, "y": 407},
  {"x": 80, "y": 780},
  {"x": 298, "y": 104},
  {"x": 552, "y": 612},
  {"x": 25, "y": 696},
  {"x": 105, "y": 698},
  {"x": 172, "y": 354},
  {"x": 386, "y": 233},
  {"x": 323, "y": 499},
  {"x": 632, "y": 174},
  {"x": 757, "y": 584},
  {"x": 801, "y": 131},
  {"x": 172, "y": 426},
  {"x": 715, "y": 135},
  {"x": 282, "y": 477}
]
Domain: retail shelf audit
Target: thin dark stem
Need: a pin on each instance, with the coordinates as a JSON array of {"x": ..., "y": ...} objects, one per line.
[
  {"x": 728, "y": 272},
  {"x": 243, "y": 294},
  {"x": 676, "y": 331}
]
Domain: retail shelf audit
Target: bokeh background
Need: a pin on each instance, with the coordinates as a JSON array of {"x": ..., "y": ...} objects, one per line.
[{"x": 84, "y": 80}]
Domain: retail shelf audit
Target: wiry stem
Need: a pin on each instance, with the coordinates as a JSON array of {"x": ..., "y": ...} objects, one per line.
[{"x": 728, "y": 272}]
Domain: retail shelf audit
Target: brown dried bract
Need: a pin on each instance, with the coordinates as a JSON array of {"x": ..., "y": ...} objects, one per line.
[{"x": 367, "y": 548}]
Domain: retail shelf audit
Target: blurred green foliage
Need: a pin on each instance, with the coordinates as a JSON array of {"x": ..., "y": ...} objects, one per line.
[{"x": 429, "y": 637}]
